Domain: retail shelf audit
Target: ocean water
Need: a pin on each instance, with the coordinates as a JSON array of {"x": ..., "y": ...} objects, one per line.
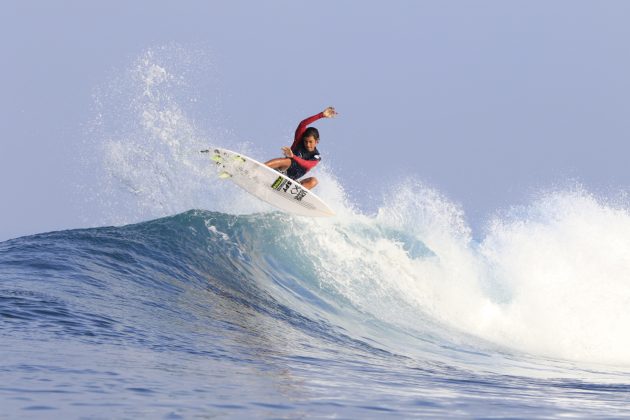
[
  {"x": 267, "y": 316},
  {"x": 192, "y": 299}
]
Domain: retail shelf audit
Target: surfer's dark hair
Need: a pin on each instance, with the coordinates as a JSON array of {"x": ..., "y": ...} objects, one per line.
[{"x": 311, "y": 131}]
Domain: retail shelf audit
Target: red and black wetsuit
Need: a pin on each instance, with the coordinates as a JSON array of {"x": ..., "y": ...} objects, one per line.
[{"x": 303, "y": 160}]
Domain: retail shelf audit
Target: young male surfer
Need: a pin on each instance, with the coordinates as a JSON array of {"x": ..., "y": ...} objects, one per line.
[{"x": 303, "y": 155}]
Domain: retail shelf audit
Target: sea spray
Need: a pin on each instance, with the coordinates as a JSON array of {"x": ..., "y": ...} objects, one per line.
[
  {"x": 566, "y": 263},
  {"x": 552, "y": 281}
]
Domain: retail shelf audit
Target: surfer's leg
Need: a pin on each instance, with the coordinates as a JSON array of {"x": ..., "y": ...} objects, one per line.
[
  {"x": 281, "y": 164},
  {"x": 309, "y": 183}
]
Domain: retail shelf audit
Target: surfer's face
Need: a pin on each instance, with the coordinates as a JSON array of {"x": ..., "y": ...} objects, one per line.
[{"x": 310, "y": 143}]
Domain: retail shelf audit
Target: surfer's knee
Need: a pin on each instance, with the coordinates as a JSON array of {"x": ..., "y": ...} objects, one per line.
[
  {"x": 309, "y": 183},
  {"x": 279, "y": 163}
]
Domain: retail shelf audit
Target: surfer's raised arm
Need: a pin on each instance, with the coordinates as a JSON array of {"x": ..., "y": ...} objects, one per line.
[{"x": 301, "y": 128}]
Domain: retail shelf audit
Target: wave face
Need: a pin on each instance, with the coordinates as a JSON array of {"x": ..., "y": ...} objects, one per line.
[{"x": 398, "y": 314}]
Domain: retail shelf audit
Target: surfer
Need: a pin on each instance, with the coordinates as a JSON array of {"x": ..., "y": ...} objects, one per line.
[{"x": 303, "y": 155}]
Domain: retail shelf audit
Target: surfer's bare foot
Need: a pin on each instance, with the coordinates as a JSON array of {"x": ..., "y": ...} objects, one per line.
[{"x": 309, "y": 183}]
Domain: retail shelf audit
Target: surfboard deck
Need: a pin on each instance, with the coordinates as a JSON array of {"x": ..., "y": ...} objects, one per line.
[{"x": 268, "y": 184}]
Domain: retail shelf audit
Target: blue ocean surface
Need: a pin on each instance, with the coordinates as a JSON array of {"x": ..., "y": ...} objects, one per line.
[{"x": 208, "y": 314}]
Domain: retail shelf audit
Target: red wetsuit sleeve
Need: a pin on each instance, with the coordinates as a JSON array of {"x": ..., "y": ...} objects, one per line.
[
  {"x": 302, "y": 128},
  {"x": 306, "y": 164}
]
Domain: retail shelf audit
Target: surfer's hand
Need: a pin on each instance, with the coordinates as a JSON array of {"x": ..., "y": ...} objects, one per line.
[
  {"x": 287, "y": 151},
  {"x": 330, "y": 112}
]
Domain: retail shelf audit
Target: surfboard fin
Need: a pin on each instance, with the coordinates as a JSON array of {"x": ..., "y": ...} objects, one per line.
[
  {"x": 225, "y": 175},
  {"x": 217, "y": 158}
]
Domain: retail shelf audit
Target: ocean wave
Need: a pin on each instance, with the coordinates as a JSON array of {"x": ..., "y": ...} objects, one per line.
[{"x": 551, "y": 281}]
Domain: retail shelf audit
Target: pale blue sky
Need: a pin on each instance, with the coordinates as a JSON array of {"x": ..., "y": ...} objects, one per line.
[{"x": 487, "y": 101}]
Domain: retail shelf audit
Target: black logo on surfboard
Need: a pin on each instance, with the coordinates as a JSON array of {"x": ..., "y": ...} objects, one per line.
[{"x": 286, "y": 186}]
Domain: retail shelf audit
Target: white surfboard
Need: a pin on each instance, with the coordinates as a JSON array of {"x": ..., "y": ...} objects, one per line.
[{"x": 268, "y": 184}]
